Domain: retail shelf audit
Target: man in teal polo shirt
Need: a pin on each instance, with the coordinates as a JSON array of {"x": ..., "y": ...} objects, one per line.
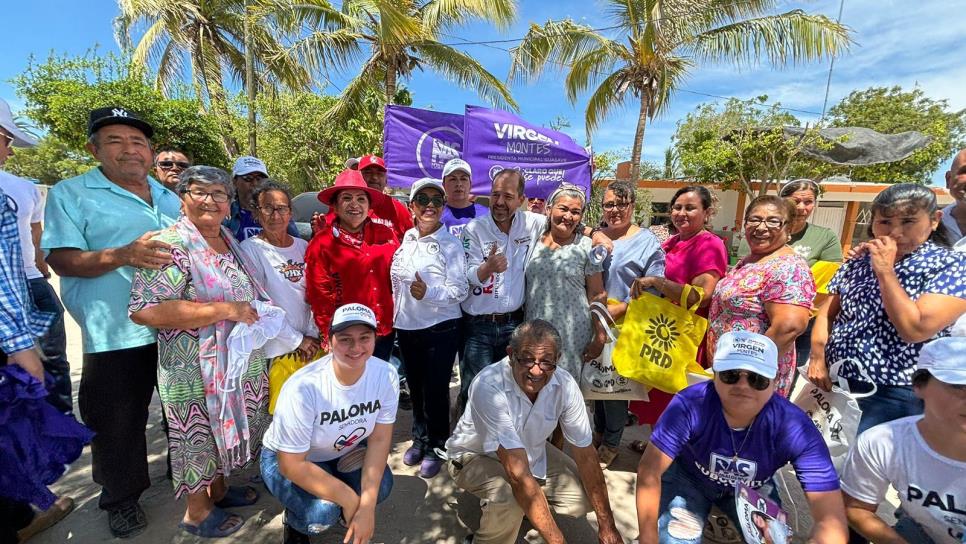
[{"x": 98, "y": 231}]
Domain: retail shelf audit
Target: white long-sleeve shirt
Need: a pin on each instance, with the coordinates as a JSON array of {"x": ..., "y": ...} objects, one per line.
[
  {"x": 439, "y": 259},
  {"x": 501, "y": 292}
]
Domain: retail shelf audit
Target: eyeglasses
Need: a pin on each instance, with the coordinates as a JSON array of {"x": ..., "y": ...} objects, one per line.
[
  {"x": 254, "y": 177},
  {"x": 770, "y": 222},
  {"x": 281, "y": 210},
  {"x": 200, "y": 196},
  {"x": 425, "y": 200},
  {"x": 528, "y": 364},
  {"x": 619, "y": 205},
  {"x": 170, "y": 165},
  {"x": 756, "y": 381}
]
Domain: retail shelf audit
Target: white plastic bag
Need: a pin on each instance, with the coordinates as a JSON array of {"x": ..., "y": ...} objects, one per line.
[
  {"x": 835, "y": 413},
  {"x": 599, "y": 379}
]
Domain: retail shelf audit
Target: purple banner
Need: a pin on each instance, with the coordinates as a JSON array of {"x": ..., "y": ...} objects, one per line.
[
  {"x": 496, "y": 139},
  {"x": 417, "y": 143}
]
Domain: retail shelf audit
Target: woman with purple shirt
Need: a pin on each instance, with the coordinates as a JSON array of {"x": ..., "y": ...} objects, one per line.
[{"x": 729, "y": 430}]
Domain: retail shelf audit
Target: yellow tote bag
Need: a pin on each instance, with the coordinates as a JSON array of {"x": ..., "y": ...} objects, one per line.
[
  {"x": 659, "y": 341},
  {"x": 281, "y": 369},
  {"x": 823, "y": 271}
]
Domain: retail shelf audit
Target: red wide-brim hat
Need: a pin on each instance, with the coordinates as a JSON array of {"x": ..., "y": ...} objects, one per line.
[{"x": 350, "y": 179}]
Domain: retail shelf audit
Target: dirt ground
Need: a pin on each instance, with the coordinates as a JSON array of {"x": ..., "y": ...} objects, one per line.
[{"x": 417, "y": 511}]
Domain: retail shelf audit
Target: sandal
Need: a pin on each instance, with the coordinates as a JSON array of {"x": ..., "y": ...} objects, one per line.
[
  {"x": 238, "y": 496},
  {"x": 638, "y": 445},
  {"x": 212, "y": 526},
  {"x": 47, "y": 519}
]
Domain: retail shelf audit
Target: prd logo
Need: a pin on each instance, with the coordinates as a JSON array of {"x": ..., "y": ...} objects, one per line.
[{"x": 663, "y": 331}]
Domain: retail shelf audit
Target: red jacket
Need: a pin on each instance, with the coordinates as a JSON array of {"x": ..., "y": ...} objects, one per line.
[{"x": 338, "y": 271}]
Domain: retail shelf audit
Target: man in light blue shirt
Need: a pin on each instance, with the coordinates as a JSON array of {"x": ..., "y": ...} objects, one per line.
[{"x": 98, "y": 231}]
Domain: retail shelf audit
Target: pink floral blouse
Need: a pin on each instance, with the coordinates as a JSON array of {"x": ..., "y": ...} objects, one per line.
[{"x": 739, "y": 302}]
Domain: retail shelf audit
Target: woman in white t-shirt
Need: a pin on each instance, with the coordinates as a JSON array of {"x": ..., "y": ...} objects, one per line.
[
  {"x": 279, "y": 266},
  {"x": 324, "y": 456},
  {"x": 923, "y": 457}
]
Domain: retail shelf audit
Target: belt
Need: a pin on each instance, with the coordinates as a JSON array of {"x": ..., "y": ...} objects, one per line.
[{"x": 499, "y": 319}]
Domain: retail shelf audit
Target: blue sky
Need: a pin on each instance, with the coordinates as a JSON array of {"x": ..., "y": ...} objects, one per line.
[{"x": 897, "y": 43}]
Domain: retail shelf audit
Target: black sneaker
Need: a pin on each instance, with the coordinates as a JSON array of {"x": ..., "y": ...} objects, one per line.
[
  {"x": 291, "y": 536},
  {"x": 127, "y": 521}
]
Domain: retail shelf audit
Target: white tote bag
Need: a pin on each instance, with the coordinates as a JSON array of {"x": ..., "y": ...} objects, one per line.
[
  {"x": 599, "y": 379},
  {"x": 835, "y": 413}
]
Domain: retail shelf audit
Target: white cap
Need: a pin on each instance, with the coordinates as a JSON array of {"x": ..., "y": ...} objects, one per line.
[
  {"x": 945, "y": 359},
  {"x": 453, "y": 165},
  {"x": 352, "y": 163},
  {"x": 743, "y": 350},
  {"x": 422, "y": 183},
  {"x": 352, "y": 314},
  {"x": 247, "y": 164},
  {"x": 20, "y": 138}
]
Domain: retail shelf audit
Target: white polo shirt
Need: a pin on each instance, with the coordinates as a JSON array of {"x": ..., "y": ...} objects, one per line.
[
  {"x": 441, "y": 264},
  {"x": 498, "y": 413},
  {"x": 502, "y": 292}
]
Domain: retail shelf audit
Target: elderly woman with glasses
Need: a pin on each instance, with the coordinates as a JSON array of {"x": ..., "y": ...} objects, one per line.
[
  {"x": 732, "y": 430},
  {"x": 561, "y": 274},
  {"x": 768, "y": 292},
  {"x": 195, "y": 302},
  {"x": 278, "y": 260},
  {"x": 428, "y": 276}
]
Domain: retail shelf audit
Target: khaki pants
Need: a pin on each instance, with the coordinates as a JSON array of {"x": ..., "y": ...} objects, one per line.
[{"x": 485, "y": 477}]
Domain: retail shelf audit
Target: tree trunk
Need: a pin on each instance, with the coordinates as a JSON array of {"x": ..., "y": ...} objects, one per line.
[
  {"x": 390, "y": 83},
  {"x": 638, "y": 148},
  {"x": 250, "y": 87}
]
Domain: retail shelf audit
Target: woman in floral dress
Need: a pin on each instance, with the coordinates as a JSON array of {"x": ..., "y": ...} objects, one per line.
[{"x": 768, "y": 292}]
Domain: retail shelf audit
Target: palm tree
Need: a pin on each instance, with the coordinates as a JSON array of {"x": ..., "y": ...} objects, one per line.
[
  {"x": 661, "y": 42},
  {"x": 397, "y": 37},
  {"x": 211, "y": 36}
]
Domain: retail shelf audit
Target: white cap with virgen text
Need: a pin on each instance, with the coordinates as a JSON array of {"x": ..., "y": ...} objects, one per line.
[
  {"x": 945, "y": 359},
  {"x": 248, "y": 164},
  {"x": 743, "y": 350},
  {"x": 352, "y": 314}
]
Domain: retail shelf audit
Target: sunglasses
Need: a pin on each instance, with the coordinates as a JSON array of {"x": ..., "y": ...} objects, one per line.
[
  {"x": 425, "y": 200},
  {"x": 756, "y": 381},
  {"x": 169, "y": 165},
  {"x": 529, "y": 363}
]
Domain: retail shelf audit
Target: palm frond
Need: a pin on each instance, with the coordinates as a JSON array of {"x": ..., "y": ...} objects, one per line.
[
  {"x": 323, "y": 51},
  {"x": 352, "y": 98},
  {"x": 555, "y": 42},
  {"x": 591, "y": 67},
  {"x": 610, "y": 94},
  {"x": 440, "y": 15},
  {"x": 465, "y": 71}
]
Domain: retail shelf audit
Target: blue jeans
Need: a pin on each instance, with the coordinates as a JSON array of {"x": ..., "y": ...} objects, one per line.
[
  {"x": 889, "y": 403},
  {"x": 53, "y": 344},
  {"x": 486, "y": 343},
  {"x": 305, "y": 512},
  {"x": 685, "y": 502},
  {"x": 610, "y": 418}
]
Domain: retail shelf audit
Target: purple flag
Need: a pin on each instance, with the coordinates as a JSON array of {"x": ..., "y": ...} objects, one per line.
[
  {"x": 495, "y": 139},
  {"x": 417, "y": 143}
]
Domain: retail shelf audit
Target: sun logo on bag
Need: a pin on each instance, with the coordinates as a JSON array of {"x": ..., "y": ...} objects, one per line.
[{"x": 663, "y": 331}]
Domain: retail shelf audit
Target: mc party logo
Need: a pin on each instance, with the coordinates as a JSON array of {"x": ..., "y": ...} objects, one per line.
[{"x": 436, "y": 147}]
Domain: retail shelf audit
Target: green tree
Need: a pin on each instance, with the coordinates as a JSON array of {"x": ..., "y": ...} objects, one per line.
[
  {"x": 741, "y": 141},
  {"x": 304, "y": 150},
  {"x": 397, "y": 37},
  {"x": 661, "y": 42},
  {"x": 891, "y": 110},
  {"x": 212, "y": 38},
  {"x": 60, "y": 93},
  {"x": 51, "y": 161}
]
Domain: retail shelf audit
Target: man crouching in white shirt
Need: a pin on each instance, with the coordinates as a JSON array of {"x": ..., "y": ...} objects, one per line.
[{"x": 499, "y": 450}]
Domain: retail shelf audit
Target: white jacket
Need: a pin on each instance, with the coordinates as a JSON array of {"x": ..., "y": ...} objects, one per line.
[
  {"x": 503, "y": 292},
  {"x": 439, "y": 259}
]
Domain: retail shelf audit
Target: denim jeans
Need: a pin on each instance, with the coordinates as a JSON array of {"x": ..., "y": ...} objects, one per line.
[
  {"x": 889, "y": 403},
  {"x": 908, "y": 529},
  {"x": 486, "y": 343},
  {"x": 685, "y": 503},
  {"x": 53, "y": 344},
  {"x": 429, "y": 354},
  {"x": 305, "y": 512},
  {"x": 610, "y": 418}
]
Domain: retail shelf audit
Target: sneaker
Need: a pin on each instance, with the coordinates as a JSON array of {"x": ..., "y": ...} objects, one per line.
[
  {"x": 291, "y": 536},
  {"x": 607, "y": 455},
  {"x": 430, "y": 467},
  {"x": 127, "y": 521},
  {"x": 413, "y": 456}
]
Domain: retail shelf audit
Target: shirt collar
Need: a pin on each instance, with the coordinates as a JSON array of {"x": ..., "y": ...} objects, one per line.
[{"x": 96, "y": 179}]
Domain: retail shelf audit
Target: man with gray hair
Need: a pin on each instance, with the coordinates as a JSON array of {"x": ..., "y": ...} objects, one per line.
[
  {"x": 954, "y": 215},
  {"x": 98, "y": 231},
  {"x": 499, "y": 450}
]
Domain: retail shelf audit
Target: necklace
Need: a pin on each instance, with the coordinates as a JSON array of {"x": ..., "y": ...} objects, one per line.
[{"x": 737, "y": 449}]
